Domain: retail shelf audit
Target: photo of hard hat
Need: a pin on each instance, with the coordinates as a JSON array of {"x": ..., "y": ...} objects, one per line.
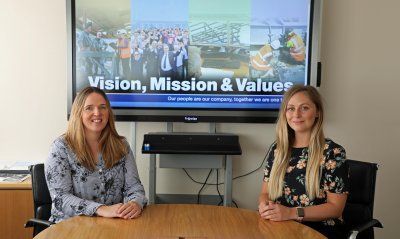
[
  {"x": 275, "y": 44},
  {"x": 291, "y": 34}
]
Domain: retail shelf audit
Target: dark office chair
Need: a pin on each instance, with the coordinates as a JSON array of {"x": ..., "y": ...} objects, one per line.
[
  {"x": 358, "y": 212},
  {"x": 41, "y": 200}
]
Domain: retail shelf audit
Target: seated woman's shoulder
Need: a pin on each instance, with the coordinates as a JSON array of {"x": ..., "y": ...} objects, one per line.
[
  {"x": 334, "y": 150},
  {"x": 329, "y": 143},
  {"x": 125, "y": 142},
  {"x": 58, "y": 151},
  {"x": 59, "y": 146},
  {"x": 59, "y": 142}
]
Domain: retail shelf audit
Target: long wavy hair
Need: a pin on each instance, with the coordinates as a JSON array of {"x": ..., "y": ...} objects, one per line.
[
  {"x": 284, "y": 140},
  {"x": 113, "y": 146}
]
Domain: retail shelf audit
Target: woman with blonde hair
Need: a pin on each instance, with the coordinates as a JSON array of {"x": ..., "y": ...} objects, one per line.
[
  {"x": 91, "y": 169},
  {"x": 305, "y": 178}
]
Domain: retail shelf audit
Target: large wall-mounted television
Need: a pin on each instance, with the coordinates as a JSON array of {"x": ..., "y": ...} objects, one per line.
[{"x": 193, "y": 60}]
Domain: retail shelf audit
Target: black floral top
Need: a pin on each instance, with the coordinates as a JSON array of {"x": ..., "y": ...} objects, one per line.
[
  {"x": 75, "y": 190},
  {"x": 334, "y": 177}
]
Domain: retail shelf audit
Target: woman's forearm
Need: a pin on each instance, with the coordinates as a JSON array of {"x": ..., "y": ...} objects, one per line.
[
  {"x": 321, "y": 212},
  {"x": 263, "y": 198}
]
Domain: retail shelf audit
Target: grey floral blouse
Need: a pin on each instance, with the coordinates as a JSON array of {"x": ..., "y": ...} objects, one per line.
[
  {"x": 334, "y": 177},
  {"x": 75, "y": 190}
]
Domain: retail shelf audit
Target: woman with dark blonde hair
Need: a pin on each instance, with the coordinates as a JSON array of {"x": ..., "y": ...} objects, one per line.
[
  {"x": 91, "y": 169},
  {"x": 305, "y": 178}
]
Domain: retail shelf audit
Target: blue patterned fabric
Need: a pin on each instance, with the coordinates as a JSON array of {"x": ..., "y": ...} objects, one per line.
[{"x": 76, "y": 190}]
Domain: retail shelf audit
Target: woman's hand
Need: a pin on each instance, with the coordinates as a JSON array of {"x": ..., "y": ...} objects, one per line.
[
  {"x": 262, "y": 207},
  {"x": 277, "y": 212},
  {"x": 108, "y": 211},
  {"x": 129, "y": 210}
]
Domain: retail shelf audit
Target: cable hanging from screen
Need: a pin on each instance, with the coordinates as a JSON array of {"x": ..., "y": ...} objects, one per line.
[
  {"x": 204, "y": 184},
  {"x": 219, "y": 193}
]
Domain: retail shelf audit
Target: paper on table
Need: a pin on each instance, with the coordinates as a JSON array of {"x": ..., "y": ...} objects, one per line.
[
  {"x": 5, "y": 164},
  {"x": 20, "y": 165},
  {"x": 7, "y": 177}
]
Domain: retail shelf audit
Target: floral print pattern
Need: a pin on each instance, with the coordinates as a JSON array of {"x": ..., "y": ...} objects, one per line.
[
  {"x": 334, "y": 177},
  {"x": 76, "y": 190}
]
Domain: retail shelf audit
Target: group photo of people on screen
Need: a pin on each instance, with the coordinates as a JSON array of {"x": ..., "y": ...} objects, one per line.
[{"x": 255, "y": 40}]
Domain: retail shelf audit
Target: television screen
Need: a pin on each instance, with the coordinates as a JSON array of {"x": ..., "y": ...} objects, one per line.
[{"x": 190, "y": 60}]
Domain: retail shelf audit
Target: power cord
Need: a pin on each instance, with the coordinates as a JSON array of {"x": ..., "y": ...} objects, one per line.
[
  {"x": 240, "y": 176},
  {"x": 219, "y": 194},
  {"x": 204, "y": 184},
  {"x": 217, "y": 184}
]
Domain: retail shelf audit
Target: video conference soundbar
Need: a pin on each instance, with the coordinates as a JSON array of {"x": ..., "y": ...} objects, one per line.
[{"x": 191, "y": 143}]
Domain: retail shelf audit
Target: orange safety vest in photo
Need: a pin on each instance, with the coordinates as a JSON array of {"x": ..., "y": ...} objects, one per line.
[
  {"x": 124, "y": 48},
  {"x": 298, "y": 51},
  {"x": 261, "y": 60}
]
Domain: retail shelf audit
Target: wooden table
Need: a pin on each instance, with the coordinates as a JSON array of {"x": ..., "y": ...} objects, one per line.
[
  {"x": 16, "y": 207},
  {"x": 180, "y": 221}
]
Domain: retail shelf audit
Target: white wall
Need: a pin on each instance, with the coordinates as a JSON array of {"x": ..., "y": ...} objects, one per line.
[
  {"x": 360, "y": 79},
  {"x": 360, "y": 86}
]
